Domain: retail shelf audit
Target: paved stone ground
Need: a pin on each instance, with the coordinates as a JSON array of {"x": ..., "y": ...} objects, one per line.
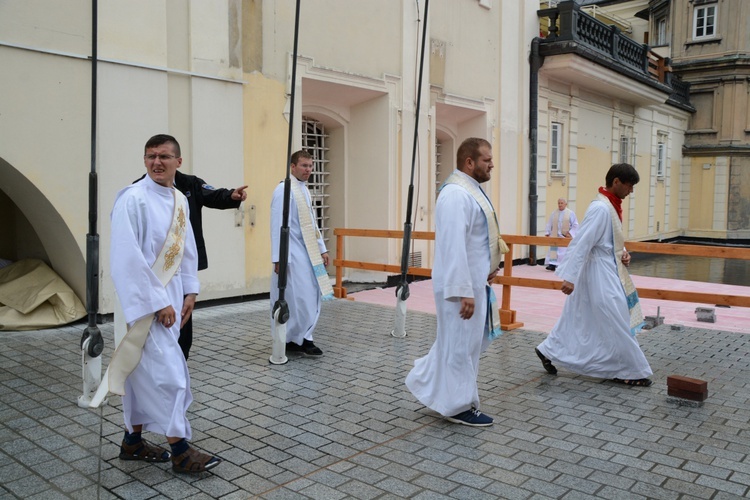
[{"x": 344, "y": 425}]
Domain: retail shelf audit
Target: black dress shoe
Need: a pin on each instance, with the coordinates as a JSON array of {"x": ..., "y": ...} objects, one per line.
[
  {"x": 551, "y": 267},
  {"x": 546, "y": 363},
  {"x": 292, "y": 347},
  {"x": 310, "y": 349}
]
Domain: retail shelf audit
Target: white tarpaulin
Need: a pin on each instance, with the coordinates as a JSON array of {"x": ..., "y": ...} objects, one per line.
[{"x": 33, "y": 297}]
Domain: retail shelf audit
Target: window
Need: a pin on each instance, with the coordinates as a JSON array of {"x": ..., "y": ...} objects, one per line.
[
  {"x": 624, "y": 149},
  {"x": 555, "y": 153},
  {"x": 704, "y": 21},
  {"x": 438, "y": 154},
  {"x": 661, "y": 155},
  {"x": 314, "y": 139},
  {"x": 661, "y": 32}
]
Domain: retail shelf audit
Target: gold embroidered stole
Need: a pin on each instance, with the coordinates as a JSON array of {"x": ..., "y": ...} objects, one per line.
[
  {"x": 128, "y": 351},
  {"x": 631, "y": 294},
  {"x": 310, "y": 235},
  {"x": 555, "y": 230}
]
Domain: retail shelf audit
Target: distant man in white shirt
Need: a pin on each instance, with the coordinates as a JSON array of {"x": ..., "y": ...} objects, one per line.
[{"x": 562, "y": 223}]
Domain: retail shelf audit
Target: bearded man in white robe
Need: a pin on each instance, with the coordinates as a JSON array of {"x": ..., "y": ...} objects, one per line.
[
  {"x": 562, "y": 223},
  {"x": 157, "y": 391},
  {"x": 307, "y": 281},
  {"x": 595, "y": 336},
  {"x": 446, "y": 379}
]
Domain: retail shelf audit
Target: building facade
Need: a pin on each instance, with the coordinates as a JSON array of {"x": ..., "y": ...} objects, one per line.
[{"x": 544, "y": 83}]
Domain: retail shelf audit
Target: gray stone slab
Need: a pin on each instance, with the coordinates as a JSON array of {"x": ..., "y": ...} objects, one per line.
[{"x": 345, "y": 426}]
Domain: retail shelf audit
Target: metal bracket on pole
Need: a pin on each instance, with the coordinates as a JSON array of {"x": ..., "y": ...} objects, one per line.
[
  {"x": 92, "y": 345},
  {"x": 278, "y": 332},
  {"x": 399, "y": 329}
]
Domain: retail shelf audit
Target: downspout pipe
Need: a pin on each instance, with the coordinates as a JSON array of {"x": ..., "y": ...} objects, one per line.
[{"x": 535, "y": 63}]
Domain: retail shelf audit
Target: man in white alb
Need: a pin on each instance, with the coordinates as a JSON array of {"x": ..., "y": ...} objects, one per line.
[
  {"x": 467, "y": 256},
  {"x": 307, "y": 279},
  {"x": 154, "y": 267},
  {"x": 562, "y": 223},
  {"x": 595, "y": 335}
]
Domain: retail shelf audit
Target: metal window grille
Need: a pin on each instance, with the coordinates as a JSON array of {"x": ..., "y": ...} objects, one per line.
[
  {"x": 555, "y": 161},
  {"x": 314, "y": 141}
]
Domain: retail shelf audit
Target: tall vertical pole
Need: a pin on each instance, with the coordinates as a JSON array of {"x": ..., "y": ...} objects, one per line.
[
  {"x": 402, "y": 290},
  {"x": 281, "y": 308},
  {"x": 92, "y": 343}
]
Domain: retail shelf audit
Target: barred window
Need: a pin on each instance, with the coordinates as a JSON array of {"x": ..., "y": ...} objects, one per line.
[{"x": 314, "y": 141}]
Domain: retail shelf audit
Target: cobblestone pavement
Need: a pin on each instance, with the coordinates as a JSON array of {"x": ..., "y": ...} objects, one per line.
[{"x": 344, "y": 425}]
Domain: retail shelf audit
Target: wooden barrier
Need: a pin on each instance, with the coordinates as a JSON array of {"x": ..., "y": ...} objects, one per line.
[
  {"x": 340, "y": 262},
  {"x": 508, "y": 319}
]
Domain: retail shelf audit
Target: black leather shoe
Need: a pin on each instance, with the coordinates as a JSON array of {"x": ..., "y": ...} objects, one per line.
[
  {"x": 292, "y": 347},
  {"x": 310, "y": 349},
  {"x": 551, "y": 267},
  {"x": 546, "y": 363}
]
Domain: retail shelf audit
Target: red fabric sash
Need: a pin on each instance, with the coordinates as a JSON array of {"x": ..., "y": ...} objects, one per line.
[{"x": 616, "y": 202}]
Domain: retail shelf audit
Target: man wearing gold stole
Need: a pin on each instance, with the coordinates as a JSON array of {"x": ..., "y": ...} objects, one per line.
[
  {"x": 307, "y": 279},
  {"x": 562, "y": 223},
  {"x": 467, "y": 256},
  {"x": 154, "y": 267},
  {"x": 595, "y": 335}
]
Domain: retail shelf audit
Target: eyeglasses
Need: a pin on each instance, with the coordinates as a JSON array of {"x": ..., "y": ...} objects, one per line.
[{"x": 161, "y": 157}]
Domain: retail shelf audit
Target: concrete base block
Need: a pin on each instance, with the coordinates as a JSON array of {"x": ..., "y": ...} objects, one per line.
[
  {"x": 678, "y": 328},
  {"x": 706, "y": 314},
  {"x": 652, "y": 322}
]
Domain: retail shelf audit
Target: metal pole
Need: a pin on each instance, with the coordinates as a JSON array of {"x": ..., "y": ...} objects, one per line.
[
  {"x": 92, "y": 343},
  {"x": 281, "y": 308},
  {"x": 402, "y": 290}
]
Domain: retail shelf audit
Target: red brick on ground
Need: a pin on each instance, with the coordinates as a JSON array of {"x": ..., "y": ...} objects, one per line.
[
  {"x": 687, "y": 388},
  {"x": 692, "y": 396}
]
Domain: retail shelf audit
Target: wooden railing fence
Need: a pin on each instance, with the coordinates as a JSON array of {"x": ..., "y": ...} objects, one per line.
[{"x": 507, "y": 280}]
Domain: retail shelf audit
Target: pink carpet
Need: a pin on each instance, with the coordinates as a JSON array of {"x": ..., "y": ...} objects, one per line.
[{"x": 538, "y": 309}]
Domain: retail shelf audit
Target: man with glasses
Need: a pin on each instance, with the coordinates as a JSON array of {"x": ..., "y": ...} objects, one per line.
[
  {"x": 307, "y": 279},
  {"x": 200, "y": 194},
  {"x": 154, "y": 266}
]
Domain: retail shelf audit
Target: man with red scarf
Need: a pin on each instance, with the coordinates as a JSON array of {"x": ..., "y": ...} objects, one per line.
[{"x": 595, "y": 336}]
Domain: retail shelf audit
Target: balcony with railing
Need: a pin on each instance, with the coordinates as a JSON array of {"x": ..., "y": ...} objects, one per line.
[{"x": 570, "y": 30}]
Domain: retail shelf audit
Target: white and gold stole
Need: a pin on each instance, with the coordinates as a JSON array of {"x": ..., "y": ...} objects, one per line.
[
  {"x": 631, "y": 294},
  {"x": 310, "y": 235},
  {"x": 497, "y": 246},
  {"x": 128, "y": 350},
  {"x": 556, "y": 230}
]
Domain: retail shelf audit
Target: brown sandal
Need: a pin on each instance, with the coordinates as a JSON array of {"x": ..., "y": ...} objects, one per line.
[
  {"x": 143, "y": 450},
  {"x": 194, "y": 462}
]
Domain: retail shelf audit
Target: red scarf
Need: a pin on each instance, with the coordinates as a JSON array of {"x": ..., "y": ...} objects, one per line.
[{"x": 616, "y": 202}]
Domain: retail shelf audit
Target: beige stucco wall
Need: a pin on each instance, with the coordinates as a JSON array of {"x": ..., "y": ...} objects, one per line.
[{"x": 177, "y": 66}]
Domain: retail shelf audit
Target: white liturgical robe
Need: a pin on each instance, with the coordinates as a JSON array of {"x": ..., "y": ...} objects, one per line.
[
  {"x": 157, "y": 392},
  {"x": 302, "y": 292},
  {"x": 446, "y": 379},
  {"x": 560, "y": 222},
  {"x": 593, "y": 336}
]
